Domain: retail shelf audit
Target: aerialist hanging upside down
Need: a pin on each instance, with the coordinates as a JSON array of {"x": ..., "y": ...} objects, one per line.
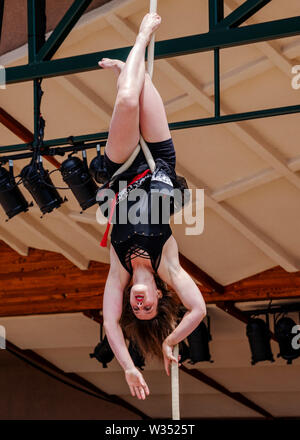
[{"x": 144, "y": 257}]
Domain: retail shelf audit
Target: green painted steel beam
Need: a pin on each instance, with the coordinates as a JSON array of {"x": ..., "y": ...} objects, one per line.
[
  {"x": 32, "y": 12},
  {"x": 63, "y": 29},
  {"x": 163, "y": 49},
  {"x": 62, "y": 66},
  {"x": 217, "y": 85},
  {"x": 235, "y": 117},
  {"x": 242, "y": 13},
  {"x": 36, "y": 29},
  {"x": 57, "y": 142},
  {"x": 216, "y": 12}
]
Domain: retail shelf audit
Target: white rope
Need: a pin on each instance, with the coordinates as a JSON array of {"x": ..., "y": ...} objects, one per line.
[
  {"x": 174, "y": 365},
  {"x": 151, "y": 164},
  {"x": 175, "y": 386},
  {"x": 142, "y": 144}
]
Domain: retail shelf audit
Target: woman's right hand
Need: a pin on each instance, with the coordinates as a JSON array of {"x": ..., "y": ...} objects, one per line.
[{"x": 136, "y": 383}]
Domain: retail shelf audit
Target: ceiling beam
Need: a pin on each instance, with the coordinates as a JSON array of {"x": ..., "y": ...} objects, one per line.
[
  {"x": 251, "y": 232},
  {"x": 238, "y": 397},
  {"x": 62, "y": 29},
  {"x": 95, "y": 315},
  {"x": 22, "y": 132},
  {"x": 199, "y": 275},
  {"x": 270, "y": 49},
  {"x": 15, "y": 126},
  {"x": 239, "y": 74},
  {"x": 241, "y": 13},
  {"x": 86, "y": 96},
  {"x": 45, "y": 282},
  {"x": 92, "y": 235},
  {"x": 88, "y": 218},
  {"x": 1, "y": 16},
  {"x": 178, "y": 103},
  {"x": 246, "y": 134},
  {"x": 45, "y": 234},
  {"x": 246, "y": 183},
  {"x": 89, "y": 25},
  {"x": 287, "y": 27},
  {"x": 13, "y": 242},
  {"x": 50, "y": 305},
  {"x": 231, "y": 309},
  {"x": 92, "y": 22}
]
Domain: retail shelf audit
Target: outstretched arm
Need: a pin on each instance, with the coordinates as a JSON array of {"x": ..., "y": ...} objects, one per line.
[
  {"x": 174, "y": 275},
  {"x": 116, "y": 281}
]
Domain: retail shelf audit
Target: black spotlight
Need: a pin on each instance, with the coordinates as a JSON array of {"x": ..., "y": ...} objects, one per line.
[
  {"x": 259, "y": 335},
  {"x": 37, "y": 181},
  {"x": 284, "y": 335},
  {"x": 103, "y": 353},
  {"x": 76, "y": 174},
  {"x": 97, "y": 167},
  {"x": 11, "y": 199},
  {"x": 136, "y": 355},
  {"x": 198, "y": 342}
]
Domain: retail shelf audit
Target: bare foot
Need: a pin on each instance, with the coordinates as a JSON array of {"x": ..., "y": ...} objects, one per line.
[
  {"x": 116, "y": 65},
  {"x": 149, "y": 25}
]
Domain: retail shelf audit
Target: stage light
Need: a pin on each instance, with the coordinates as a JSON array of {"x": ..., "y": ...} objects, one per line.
[
  {"x": 284, "y": 335},
  {"x": 198, "y": 342},
  {"x": 259, "y": 336},
  {"x": 97, "y": 168},
  {"x": 76, "y": 174},
  {"x": 37, "y": 181},
  {"x": 103, "y": 353},
  {"x": 136, "y": 355},
  {"x": 11, "y": 199}
]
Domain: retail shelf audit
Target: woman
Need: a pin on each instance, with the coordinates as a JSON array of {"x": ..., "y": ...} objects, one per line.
[{"x": 146, "y": 311}]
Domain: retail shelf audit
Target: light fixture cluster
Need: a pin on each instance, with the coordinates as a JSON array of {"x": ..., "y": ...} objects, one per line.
[
  {"x": 104, "y": 354},
  {"x": 285, "y": 332},
  {"x": 79, "y": 177},
  {"x": 196, "y": 349}
]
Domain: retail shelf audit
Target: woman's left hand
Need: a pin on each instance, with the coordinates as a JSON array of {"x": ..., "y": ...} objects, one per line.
[{"x": 167, "y": 349}]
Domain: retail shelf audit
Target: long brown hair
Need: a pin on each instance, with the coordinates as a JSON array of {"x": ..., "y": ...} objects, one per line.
[{"x": 149, "y": 335}]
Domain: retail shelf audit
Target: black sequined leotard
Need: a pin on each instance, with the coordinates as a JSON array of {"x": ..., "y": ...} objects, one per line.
[{"x": 144, "y": 240}]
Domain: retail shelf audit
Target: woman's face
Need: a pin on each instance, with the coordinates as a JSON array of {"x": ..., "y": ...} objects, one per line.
[{"x": 144, "y": 298}]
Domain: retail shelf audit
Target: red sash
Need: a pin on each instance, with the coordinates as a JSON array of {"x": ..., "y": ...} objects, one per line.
[{"x": 103, "y": 242}]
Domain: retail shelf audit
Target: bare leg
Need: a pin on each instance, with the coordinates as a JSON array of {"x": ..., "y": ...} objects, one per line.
[
  {"x": 152, "y": 116},
  {"x": 153, "y": 119},
  {"x": 124, "y": 127}
]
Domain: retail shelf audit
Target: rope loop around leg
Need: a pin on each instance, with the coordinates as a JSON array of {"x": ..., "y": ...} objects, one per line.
[{"x": 142, "y": 144}]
